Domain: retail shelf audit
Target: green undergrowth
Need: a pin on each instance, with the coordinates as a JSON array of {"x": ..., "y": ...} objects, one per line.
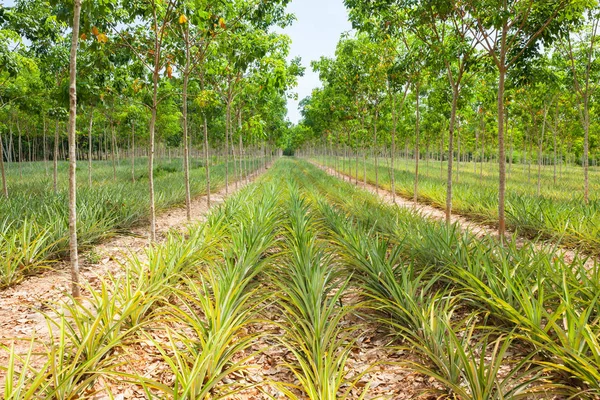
[
  {"x": 34, "y": 220},
  {"x": 558, "y": 213},
  {"x": 305, "y": 264}
]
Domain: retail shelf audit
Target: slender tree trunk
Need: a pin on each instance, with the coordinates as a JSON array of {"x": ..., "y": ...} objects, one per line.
[
  {"x": 540, "y": 153},
  {"x": 55, "y": 180},
  {"x": 406, "y": 154},
  {"x": 241, "y": 155},
  {"x": 458, "y": 155},
  {"x": 152, "y": 129},
  {"x": 235, "y": 168},
  {"x": 90, "y": 147},
  {"x": 206, "y": 160},
  {"x": 586, "y": 147},
  {"x": 451, "y": 155},
  {"x": 365, "y": 167},
  {"x": 20, "y": 149},
  {"x": 417, "y": 128},
  {"x": 376, "y": 155},
  {"x": 393, "y": 150},
  {"x": 112, "y": 149},
  {"x": 133, "y": 151},
  {"x": 186, "y": 147},
  {"x": 501, "y": 149},
  {"x": 357, "y": 159},
  {"x": 476, "y": 151},
  {"x": 4, "y": 185},
  {"x": 227, "y": 127},
  {"x": 554, "y": 134},
  {"x": 44, "y": 144},
  {"x": 442, "y": 144},
  {"x": 73, "y": 153}
]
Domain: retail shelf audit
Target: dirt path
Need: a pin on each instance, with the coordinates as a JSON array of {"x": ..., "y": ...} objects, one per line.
[
  {"x": 20, "y": 319},
  {"x": 464, "y": 223}
]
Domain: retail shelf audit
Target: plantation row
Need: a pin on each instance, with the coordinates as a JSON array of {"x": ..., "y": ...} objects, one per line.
[
  {"x": 34, "y": 220},
  {"x": 307, "y": 264},
  {"x": 550, "y": 210}
]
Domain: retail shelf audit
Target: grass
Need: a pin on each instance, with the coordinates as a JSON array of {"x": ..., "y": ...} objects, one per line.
[
  {"x": 304, "y": 252},
  {"x": 558, "y": 212},
  {"x": 34, "y": 220}
]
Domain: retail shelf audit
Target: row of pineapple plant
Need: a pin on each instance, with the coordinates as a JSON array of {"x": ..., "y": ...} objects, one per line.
[{"x": 311, "y": 255}]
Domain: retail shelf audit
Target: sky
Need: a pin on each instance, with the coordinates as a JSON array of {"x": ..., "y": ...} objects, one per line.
[{"x": 315, "y": 33}]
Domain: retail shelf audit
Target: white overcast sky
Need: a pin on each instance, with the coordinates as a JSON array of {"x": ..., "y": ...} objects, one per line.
[{"x": 315, "y": 33}]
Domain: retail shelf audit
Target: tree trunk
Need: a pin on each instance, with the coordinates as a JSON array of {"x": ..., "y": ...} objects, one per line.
[
  {"x": 73, "y": 154},
  {"x": 112, "y": 149},
  {"x": 356, "y": 160},
  {"x": 90, "y": 147},
  {"x": 451, "y": 155},
  {"x": 227, "y": 127},
  {"x": 235, "y": 168},
  {"x": 376, "y": 155},
  {"x": 586, "y": 147},
  {"x": 365, "y": 167},
  {"x": 186, "y": 147},
  {"x": 393, "y": 150},
  {"x": 554, "y": 134},
  {"x": 476, "y": 149},
  {"x": 540, "y": 152},
  {"x": 4, "y": 185},
  {"x": 152, "y": 130},
  {"x": 458, "y": 155},
  {"x": 44, "y": 144},
  {"x": 417, "y": 127},
  {"x": 207, "y": 160},
  {"x": 133, "y": 151},
  {"x": 55, "y": 181},
  {"x": 20, "y": 149},
  {"x": 501, "y": 150}
]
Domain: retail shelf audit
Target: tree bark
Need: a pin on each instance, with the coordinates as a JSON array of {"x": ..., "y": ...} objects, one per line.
[
  {"x": 45, "y": 149},
  {"x": 73, "y": 153},
  {"x": 55, "y": 176},
  {"x": 554, "y": 134},
  {"x": 90, "y": 147},
  {"x": 133, "y": 151},
  {"x": 375, "y": 151},
  {"x": 112, "y": 149},
  {"x": 540, "y": 152},
  {"x": 20, "y": 149},
  {"x": 393, "y": 150},
  {"x": 417, "y": 128},
  {"x": 227, "y": 127},
  {"x": 186, "y": 148},
  {"x": 586, "y": 147},
  {"x": 4, "y": 185},
  {"x": 206, "y": 160},
  {"x": 152, "y": 130},
  {"x": 501, "y": 150},
  {"x": 451, "y": 155}
]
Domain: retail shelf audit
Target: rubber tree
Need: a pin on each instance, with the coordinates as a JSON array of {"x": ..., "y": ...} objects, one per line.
[
  {"x": 144, "y": 32},
  {"x": 508, "y": 31},
  {"x": 197, "y": 32},
  {"x": 581, "y": 46}
]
